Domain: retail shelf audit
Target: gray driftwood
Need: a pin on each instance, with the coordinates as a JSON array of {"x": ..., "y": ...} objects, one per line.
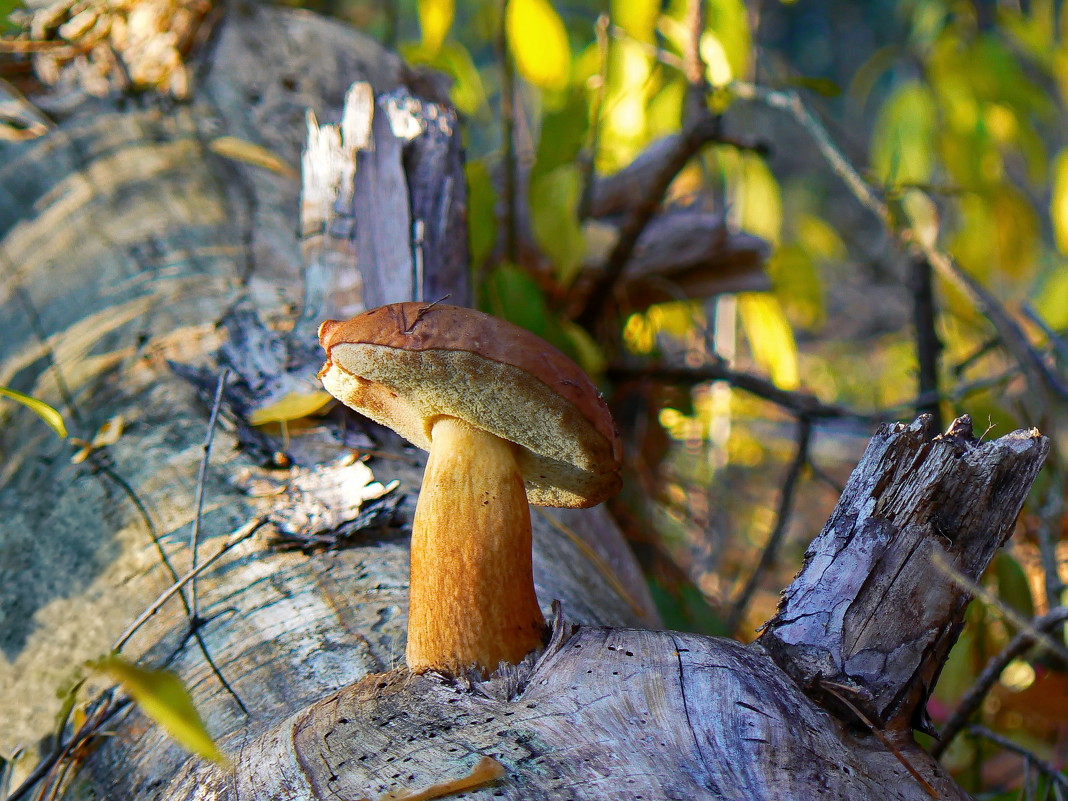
[{"x": 138, "y": 264}]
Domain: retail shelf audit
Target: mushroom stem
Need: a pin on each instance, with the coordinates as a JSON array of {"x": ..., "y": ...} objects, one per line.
[{"x": 472, "y": 586}]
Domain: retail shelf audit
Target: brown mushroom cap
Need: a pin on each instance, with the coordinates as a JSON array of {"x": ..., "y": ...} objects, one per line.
[{"x": 406, "y": 364}]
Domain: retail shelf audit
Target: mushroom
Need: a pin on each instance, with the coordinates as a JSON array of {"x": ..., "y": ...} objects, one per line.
[{"x": 508, "y": 420}]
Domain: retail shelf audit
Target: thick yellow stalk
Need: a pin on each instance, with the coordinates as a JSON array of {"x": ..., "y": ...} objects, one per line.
[{"x": 472, "y": 590}]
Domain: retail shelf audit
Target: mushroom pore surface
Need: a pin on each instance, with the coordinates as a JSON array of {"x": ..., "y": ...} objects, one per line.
[{"x": 407, "y": 364}]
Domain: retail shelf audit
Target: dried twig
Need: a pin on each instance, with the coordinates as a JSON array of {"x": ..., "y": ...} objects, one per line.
[
  {"x": 202, "y": 477},
  {"x": 782, "y": 520},
  {"x": 195, "y": 620},
  {"x": 973, "y": 698},
  {"x": 156, "y": 605}
]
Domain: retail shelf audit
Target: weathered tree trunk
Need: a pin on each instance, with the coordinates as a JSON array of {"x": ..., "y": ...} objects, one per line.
[{"x": 126, "y": 241}]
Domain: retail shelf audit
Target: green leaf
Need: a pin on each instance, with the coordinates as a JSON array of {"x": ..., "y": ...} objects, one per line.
[
  {"x": 162, "y": 696},
  {"x": 1013, "y": 587},
  {"x": 40, "y": 408},
  {"x": 435, "y": 19},
  {"x": 513, "y": 295},
  {"x": 564, "y": 131},
  {"x": 481, "y": 217},
  {"x": 538, "y": 43},
  {"x": 902, "y": 142},
  {"x": 821, "y": 86},
  {"x": 554, "y": 200}
]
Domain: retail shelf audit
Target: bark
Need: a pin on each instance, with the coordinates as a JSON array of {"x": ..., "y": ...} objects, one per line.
[{"x": 139, "y": 264}]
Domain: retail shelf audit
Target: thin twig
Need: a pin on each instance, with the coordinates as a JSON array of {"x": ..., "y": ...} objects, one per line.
[
  {"x": 1055, "y": 775},
  {"x": 782, "y": 520},
  {"x": 202, "y": 477},
  {"x": 973, "y": 698},
  {"x": 195, "y": 620},
  {"x": 156, "y": 605}
]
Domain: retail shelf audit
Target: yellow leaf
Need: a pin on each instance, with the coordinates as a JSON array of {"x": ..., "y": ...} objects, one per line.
[
  {"x": 109, "y": 433},
  {"x": 538, "y": 41},
  {"x": 40, "y": 408},
  {"x": 636, "y": 17},
  {"x": 435, "y": 19},
  {"x": 1058, "y": 204},
  {"x": 240, "y": 150},
  {"x": 902, "y": 149},
  {"x": 771, "y": 339},
  {"x": 291, "y": 407},
  {"x": 756, "y": 195},
  {"x": 162, "y": 696}
]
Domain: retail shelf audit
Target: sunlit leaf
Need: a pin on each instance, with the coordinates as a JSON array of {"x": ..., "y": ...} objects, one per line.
[
  {"x": 435, "y": 19},
  {"x": 729, "y": 21},
  {"x": 922, "y": 214},
  {"x": 53, "y": 418},
  {"x": 538, "y": 43},
  {"x": 1051, "y": 302},
  {"x": 162, "y": 696},
  {"x": 902, "y": 141},
  {"x": 636, "y": 17},
  {"x": 623, "y": 130},
  {"x": 717, "y": 63},
  {"x": 481, "y": 218},
  {"x": 554, "y": 199},
  {"x": 771, "y": 339},
  {"x": 291, "y": 406},
  {"x": 1058, "y": 204},
  {"x": 756, "y": 196}
]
